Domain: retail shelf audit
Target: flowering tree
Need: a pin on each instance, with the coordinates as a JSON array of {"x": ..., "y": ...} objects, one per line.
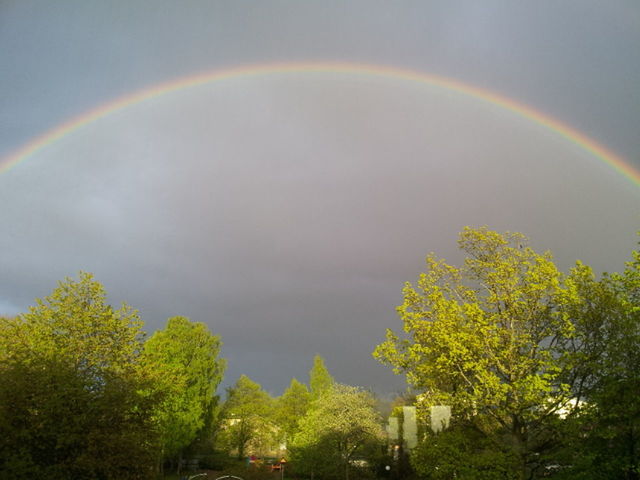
[{"x": 338, "y": 427}]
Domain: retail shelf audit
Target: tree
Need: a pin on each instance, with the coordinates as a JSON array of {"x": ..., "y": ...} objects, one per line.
[
  {"x": 75, "y": 401},
  {"x": 605, "y": 431},
  {"x": 491, "y": 340},
  {"x": 291, "y": 407},
  {"x": 185, "y": 354},
  {"x": 462, "y": 452},
  {"x": 246, "y": 416},
  {"x": 319, "y": 378},
  {"x": 338, "y": 427}
]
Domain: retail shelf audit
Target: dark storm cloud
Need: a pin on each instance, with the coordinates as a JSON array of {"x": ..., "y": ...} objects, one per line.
[{"x": 287, "y": 211}]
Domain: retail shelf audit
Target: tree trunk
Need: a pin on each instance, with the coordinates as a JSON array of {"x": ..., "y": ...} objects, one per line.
[
  {"x": 240, "y": 451},
  {"x": 161, "y": 466},
  {"x": 519, "y": 442},
  {"x": 179, "y": 463}
]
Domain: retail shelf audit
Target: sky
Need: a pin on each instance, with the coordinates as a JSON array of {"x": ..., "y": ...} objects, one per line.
[{"x": 287, "y": 209}]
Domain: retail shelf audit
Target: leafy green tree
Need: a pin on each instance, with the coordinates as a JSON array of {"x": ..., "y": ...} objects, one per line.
[
  {"x": 319, "y": 378},
  {"x": 462, "y": 452},
  {"x": 339, "y": 427},
  {"x": 291, "y": 407},
  {"x": 491, "y": 340},
  {"x": 185, "y": 355},
  {"x": 75, "y": 401},
  {"x": 605, "y": 431},
  {"x": 246, "y": 416}
]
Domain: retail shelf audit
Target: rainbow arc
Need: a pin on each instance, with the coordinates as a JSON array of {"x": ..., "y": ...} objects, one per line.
[{"x": 520, "y": 109}]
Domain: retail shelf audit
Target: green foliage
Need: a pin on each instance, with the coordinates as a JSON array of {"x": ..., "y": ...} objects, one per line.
[
  {"x": 461, "y": 452},
  {"x": 338, "y": 427},
  {"x": 604, "y": 435},
  {"x": 75, "y": 401},
  {"x": 291, "y": 407},
  {"x": 246, "y": 418},
  {"x": 185, "y": 357},
  {"x": 320, "y": 380},
  {"x": 491, "y": 340}
]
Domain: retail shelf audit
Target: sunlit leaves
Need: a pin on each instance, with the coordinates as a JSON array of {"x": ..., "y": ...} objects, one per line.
[
  {"x": 339, "y": 424},
  {"x": 75, "y": 400},
  {"x": 320, "y": 380},
  {"x": 291, "y": 407},
  {"x": 246, "y": 417},
  {"x": 488, "y": 338},
  {"x": 184, "y": 356}
]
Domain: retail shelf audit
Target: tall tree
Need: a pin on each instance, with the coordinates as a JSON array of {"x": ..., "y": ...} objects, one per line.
[
  {"x": 75, "y": 401},
  {"x": 245, "y": 415},
  {"x": 185, "y": 354},
  {"x": 291, "y": 407},
  {"x": 320, "y": 380},
  {"x": 606, "y": 427},
  {"x": 491, "y": 340},
  {"x": 337, "y": 429}
]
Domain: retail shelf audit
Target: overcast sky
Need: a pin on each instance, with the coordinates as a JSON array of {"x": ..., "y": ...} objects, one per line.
[{"x": 287, "y": 210}]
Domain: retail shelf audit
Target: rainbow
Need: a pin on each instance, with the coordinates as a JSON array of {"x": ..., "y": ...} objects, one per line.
[{"x": 571, "y": 134}]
